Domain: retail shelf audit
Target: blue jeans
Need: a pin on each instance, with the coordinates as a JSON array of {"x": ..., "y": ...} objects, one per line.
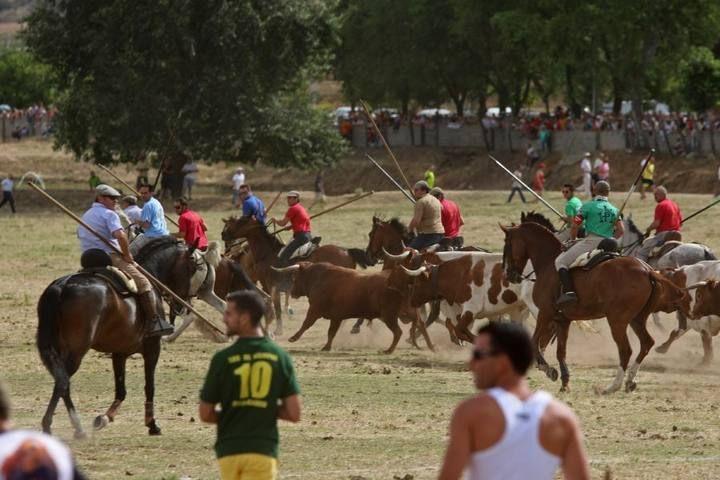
[
  {"x": 424, "y": 240},
  {"x": 299, "y": 239}
]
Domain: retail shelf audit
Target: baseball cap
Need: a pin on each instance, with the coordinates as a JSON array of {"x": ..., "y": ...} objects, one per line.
[
  {"x": 422, "y": 184},
  {"x": 293, "y": 193},
  {"x": 106, "y": 191},
  {"x": 437, "y": 191}
]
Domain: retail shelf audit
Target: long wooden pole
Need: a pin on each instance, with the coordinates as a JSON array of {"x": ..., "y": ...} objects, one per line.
[
  {"x": 700, "y": 211},
  {"x": 354, "y": 199},
  {"x": 389, "y": 177},
  {"x": 151, "y": 277},
  {"x": 387, "y": 146},
  {"x": 272, "y": 204},
  {"x": 106, "y": 169}
]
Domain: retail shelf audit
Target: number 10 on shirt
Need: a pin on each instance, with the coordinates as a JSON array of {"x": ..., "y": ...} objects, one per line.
[{"x": 255, "y": 380}]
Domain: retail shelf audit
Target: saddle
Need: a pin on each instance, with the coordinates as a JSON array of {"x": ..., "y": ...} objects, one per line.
[
  {"x": 448, "y": 244},
  {"x": 664, "y": 249},
  {"x": 304, "y": 250},
  {"x": 97, "y": 263},
  {"x": 607, "y": 250}
]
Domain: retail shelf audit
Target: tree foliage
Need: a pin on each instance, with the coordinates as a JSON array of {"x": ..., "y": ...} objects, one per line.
[
  {"x": 700, "y": 83},
  {"x": 211, "y": 80},
  {"x": 23, "y": 80}
]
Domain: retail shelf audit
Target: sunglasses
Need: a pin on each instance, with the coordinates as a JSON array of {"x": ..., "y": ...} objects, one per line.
[{"x": 480, "y": 355}]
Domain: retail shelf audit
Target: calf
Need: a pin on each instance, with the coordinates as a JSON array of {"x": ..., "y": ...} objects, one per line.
[
  {"x": 338, "y": 293},
  {"x": 704, "y": 318}
]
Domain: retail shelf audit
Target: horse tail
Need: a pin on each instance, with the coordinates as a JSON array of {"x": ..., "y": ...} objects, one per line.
[
  {"x": 240, "y": 278},
  {"x": 360, "y": 257},
  {"x": 213, "y": 254},
  {"x": 47, "y": 331},
  {"x": 709, "y": 255}
]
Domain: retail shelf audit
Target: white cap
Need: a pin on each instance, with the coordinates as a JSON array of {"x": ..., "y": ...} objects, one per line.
[{"x": 103, "y": 190}]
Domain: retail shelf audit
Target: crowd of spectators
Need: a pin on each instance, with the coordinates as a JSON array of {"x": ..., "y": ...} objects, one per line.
[{"x": 26, "y": 122}]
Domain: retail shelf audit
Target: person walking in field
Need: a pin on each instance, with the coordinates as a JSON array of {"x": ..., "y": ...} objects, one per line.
[
  {"x": 319, "y": 191},
  {"x": 248, "y": 387},
  {"x": 93, "y": 181},
  {"x": 516, "y": 187},
  {"x": 238, "y": 180},
  {"x": 648, "y": 176},
  {"x": 8, "y": 185},
  {"x": 509, "y": 432}
]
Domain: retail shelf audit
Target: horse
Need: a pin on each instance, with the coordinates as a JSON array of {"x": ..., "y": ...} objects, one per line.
[
  {"x": 265, "y": 247},
  {"x": 625, "y": 290},
  {"x": 82, "y": 311}
]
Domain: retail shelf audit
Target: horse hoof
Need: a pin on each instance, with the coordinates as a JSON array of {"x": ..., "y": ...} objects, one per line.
[
  {"x": 630, "y": 387},
  {"x": 355, "y": 330},
  {"x": 101, "y": 421},
  {"x": 325, "y": 349},
  {"x": 565, "y": 389},
  {"x": 293, "y": 339},
  {"x": 80, "y": 435},
  {"x": 153, "y": 429},
  {"x": 662, "y": 348},
  {"x": 552, "y": 374}
]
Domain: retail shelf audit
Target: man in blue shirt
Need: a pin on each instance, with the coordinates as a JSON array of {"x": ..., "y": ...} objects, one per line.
[
  {"x": 252, "y": 206},
  {"x": 152, "y": 219},
  {"x": 102, "y": 218}
]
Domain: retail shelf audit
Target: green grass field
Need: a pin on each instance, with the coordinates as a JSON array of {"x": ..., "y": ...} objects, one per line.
[{"x": 367, "y": 415}]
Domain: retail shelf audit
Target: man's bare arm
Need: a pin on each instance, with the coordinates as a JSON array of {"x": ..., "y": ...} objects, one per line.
[
  {"x": 290, "y": 409},
  {"x": 575, "y": 462},
  {"x": 458, "y": 449}
]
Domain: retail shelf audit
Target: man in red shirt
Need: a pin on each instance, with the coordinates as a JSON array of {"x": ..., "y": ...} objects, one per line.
[
  {"x": 192, "y": 226},
  {"x": 667, "y": 219},
  {"x": 451, "y": 218},
  {"x": 299, "y": 220}
]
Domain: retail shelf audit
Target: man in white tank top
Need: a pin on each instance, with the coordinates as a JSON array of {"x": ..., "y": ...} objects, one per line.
[{"x": 508, "y": 432}]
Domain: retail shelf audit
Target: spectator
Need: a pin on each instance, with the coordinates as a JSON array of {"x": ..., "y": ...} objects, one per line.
[
  {"x": 8, "y": 185},
  {"x": 586, "y": 167},
  {"x": 647, "y": 176},
  {"x": 248, "y": 387},
  {"x": 545, "y": 139},
  {"x": 539, "y": 179},
  {"x": 319, "y": 190},
  {"x": 604, "y": 169},
  {"x": 430, "y": 176},
  {"x": 516, "y": 186},
  {"x": 531, "y": 155},
  {"x": 142, "y": 178},
  {"x": 93, "y": 181},
  {"x": 238, "y": 179},
  {"x": 189, "y": 170},
  {"x": 31, "y": 455},
  {"x": 507, "y": 421}
]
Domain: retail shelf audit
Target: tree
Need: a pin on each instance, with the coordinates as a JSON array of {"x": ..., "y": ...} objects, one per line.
[
  {"x": 205, "y": 79},
  {"x": 23, "y": 80},
  {"x": 700, "y": 80}
]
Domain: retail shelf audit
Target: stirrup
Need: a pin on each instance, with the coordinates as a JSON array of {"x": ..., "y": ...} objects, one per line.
[
  {"x": 566, "y": 298},
  {"x": 160, "y": 327}
]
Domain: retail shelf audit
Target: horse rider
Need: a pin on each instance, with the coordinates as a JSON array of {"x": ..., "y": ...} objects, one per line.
[
  {"x": 451, "y": 218},
  {"x": 191, "y": 225},
  {"x": 102, "y": 218},
  {"x": 427, "y": 218},
  {"x": 667, "y": 220},
  {"x": 299, "y": 220},
  {"x": 572, "y": 208},
  {"x": 152, "y": 220},
  {"x": 601, "y": 221},
  {"x": 252, "y": 206}
]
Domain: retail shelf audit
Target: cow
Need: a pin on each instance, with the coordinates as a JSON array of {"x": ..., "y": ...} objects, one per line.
[
  {"x": 339, "y": 293},
  {"x": 690, "y": 315},
  {"x": 472, "y": 284}
]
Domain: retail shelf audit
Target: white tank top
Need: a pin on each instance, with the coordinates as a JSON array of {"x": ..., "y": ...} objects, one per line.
[{"x": 518, "y": 455}]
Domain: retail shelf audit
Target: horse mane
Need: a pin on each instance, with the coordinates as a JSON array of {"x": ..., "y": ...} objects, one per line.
[
  {"x": 538, "y": 218},
  {"x": 541, "y": 230},
  {"x": 155, "y": 252},
  {"x": 400, "y": 228},
  {"x": 633, "y": 228}
]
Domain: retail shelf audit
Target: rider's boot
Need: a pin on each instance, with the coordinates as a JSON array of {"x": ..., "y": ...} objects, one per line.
[
  {"x": 154, "y": 324},
  {"x": 567, "y": 295}
]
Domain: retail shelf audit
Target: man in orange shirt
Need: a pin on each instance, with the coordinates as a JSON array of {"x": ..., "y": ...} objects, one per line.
[{"x": 192, "y": 226}]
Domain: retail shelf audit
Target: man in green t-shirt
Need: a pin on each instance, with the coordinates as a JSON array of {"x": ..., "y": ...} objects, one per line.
[
  {"x": 572, "y": 208},
  {"x": 249, "y": 386},
  {"x": 601, "y": 220}
]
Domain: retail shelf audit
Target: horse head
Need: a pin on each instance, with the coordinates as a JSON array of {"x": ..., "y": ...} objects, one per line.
[
  {"x": 539, "y": 218},
  {"x": 390, "y": 236},
  {"x": 515, "y": 254},
  {"x": 237, "y": 229}
]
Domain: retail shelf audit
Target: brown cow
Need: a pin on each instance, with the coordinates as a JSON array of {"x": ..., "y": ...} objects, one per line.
[{"x": 338, "y": 293}]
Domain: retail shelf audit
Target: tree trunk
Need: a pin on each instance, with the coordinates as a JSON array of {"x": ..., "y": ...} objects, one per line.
[{"x": 575, "y": 107}]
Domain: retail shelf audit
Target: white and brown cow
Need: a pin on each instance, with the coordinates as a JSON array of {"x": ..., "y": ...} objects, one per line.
[
  {"x": 472, "y": 285},
  {"x": 703, "y": 315}
]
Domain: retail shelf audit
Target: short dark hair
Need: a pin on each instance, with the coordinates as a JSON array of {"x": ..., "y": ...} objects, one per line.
[
  {"x": 569, "y": 186},
  {"x": 248, "y": 301},
  {"x": 4, "y": 404},
  {"x": 182, "y": 201},
  {"x": 244, "y": 186},
  {"x": 148, "y": 186},
  {"x": 512, "y": 339}
]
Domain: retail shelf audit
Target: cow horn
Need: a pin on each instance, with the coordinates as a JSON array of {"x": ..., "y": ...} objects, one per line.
[
  {"x": 389, "y": 255},
  {"x": 696, "y": 285},
  {"x": 291, "y": 268},
  {"x": 416, "y": 272}
]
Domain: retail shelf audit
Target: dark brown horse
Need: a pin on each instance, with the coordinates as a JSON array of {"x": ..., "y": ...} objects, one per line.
[
  {"x": 265, "y": 247},
  {"x": 80, "y": 312},
  {"x": 624, "y": 290}
]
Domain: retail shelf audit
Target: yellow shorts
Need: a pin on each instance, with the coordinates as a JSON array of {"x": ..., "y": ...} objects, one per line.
[{"x": 248, "y": 466}]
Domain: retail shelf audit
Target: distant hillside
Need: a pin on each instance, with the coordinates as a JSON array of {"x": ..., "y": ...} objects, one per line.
[{"x": 14, "y": 10}]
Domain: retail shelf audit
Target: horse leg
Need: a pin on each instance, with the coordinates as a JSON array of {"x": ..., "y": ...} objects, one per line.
[
  {"x": 277, "y": 302},
  {"x": 619, "y": 334},
  {"x": 420, "y": 324},
  {"x": 356, "y": 327},
  {"x": 151, "y": 354},
  {"x": 451, "y": 331},
  {"x": 332, "y": 331},
  {"x": 541, "y": 337},
  {"x": 657, "y": 322},
  {"x": 288, "y": 310},
  {"x": 118, "y": 362},
  {"x": 563, "y": 328},
  {"x": 309, "y": 321},
  {"x": 72, "y": 366},
  {"x": 707, "y": 348},
  {"x": 646, "y": 342},
  {"x": 674, "y": 335},
  {"x": 187, "y": 321}
]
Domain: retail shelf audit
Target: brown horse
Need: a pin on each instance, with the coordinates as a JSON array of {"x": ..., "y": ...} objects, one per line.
[
  {"x": 265, "y": 247},
  {"x": 624, "y": 290},
  {"x": 82, "y": 311}
]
